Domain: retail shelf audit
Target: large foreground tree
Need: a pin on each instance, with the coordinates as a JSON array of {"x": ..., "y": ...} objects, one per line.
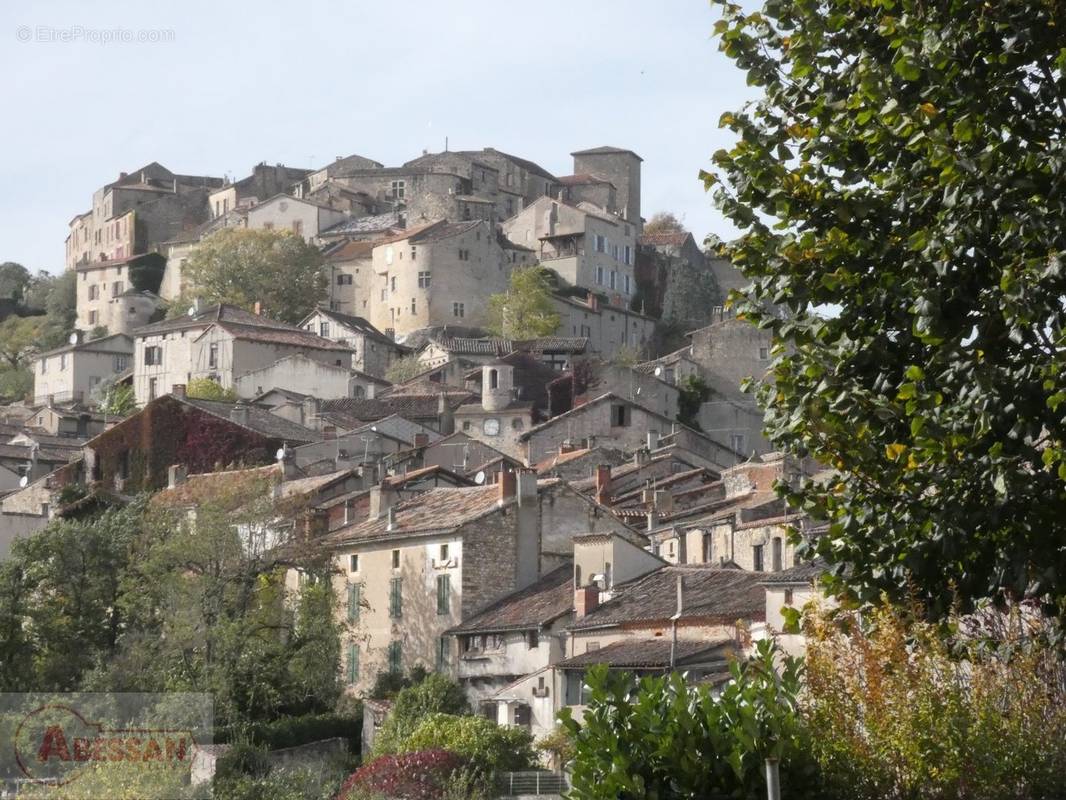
[{"x": 905, "y": 167}]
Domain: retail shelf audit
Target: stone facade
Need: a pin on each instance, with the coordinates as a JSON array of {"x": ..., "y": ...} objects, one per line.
[
  {"x": 302, "y": 217},
  {"x": 73, "y": 372},
  {"x": 372, "y": 351},
  {"x": 265, "y": 182},
  {"x": 106, "y": 297},
  {"x": 619, "y": 166},
  {"x": 608, "y": 328}
]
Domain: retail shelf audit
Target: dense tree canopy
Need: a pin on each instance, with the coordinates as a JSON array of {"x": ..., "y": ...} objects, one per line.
[
  {"x": 905, "y": 166},
  {"x": 14, "y": 278},
  {"x": 277, "y": 269},
  {"x": 525, "y": 310}
]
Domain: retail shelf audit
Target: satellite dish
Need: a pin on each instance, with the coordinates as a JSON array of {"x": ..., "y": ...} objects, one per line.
[
  {"x": 280, "y": 455},
  {"x": 73, "y": 338},
  {"x": 24, "y": 481},
  {"x": 479, "y": 479},
  {"x": 374, "y": 428},
  {"x": 192, "y": 311},
  {"x": 658, "y": 371}
]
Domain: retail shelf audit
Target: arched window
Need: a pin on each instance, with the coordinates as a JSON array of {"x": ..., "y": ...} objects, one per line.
[{"x": 494, "y": 379}]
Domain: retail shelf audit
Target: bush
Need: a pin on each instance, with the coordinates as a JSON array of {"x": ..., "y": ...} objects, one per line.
[
  {"x": 242, "y": 760},
  {"x": 304, "y": 783},
  {"x": 293, "y": 731},
  {"x": 208, "y": 389},
  {"x": 435, "y": 694},
  {"x": 661, "y": 738},
  {"x": 406, "y": 776},
  {"x": 896, "y": 709},
  {"x": 488, "y": 747}
]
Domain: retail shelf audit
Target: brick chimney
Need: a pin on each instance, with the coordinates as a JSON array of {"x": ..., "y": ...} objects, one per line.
[
  {"x": 176, "y": 475},
  {"x": 527, "y": 487},
  {"x": 178, "y": 390},
  {"x": 421, "y": 439},
  {"x": 586, "y": 600},
  {"x": 593, "y": 302},
  {"x": 507, "y": 484},
  {"x": 329, "y": 431},
  {"x": 603, "y": 483}
]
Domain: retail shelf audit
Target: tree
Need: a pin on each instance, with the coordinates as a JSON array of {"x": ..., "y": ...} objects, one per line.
[
  {"x": 19, "y": 340},
  {"x": 14, "y": 278},
  {"x": 60, "y": 304},
  {"x": 404, "y": 369},
  {"x": 664, "y": 222},
  {"x": 490, "y": 748},
  {"x": 242, "y": 267},
  {"x": 209, "y": 389},
  {"x": 525, "y": 310},
  {"x": 693, "y": 392},
  {"x": 435, "y": 694},
  {"x": 115, "y": 399},
  {"x": 15, "y": 384},
  {"x": 904, "y": 166}
]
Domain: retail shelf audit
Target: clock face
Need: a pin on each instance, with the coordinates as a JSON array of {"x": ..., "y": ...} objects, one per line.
[{"x": 491, "y": 427}]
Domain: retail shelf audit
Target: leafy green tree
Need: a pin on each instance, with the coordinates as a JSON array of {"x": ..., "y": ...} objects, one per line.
[
  {"x": 208, "y": 389},
  {"x": 242, "y": 267},
  {"x": 435, "y": 694},
  {"x": 661, "y": 738},
  {"x": 490, "y": 748},
  {"x": 16, "y": 384},
  {"x": 525, "y": 310},
  {"x": 404, "y": 369},
  {"x": 664, "y": 222},
  {"x": 19, "y": 340},
  {"x": 14, "y": 278},
  {"x": 693, "y": 392},
  {"x": 904, "y": 166},
  {"x": 61, "y": 306},
  {"x": 115, "y": 399}
]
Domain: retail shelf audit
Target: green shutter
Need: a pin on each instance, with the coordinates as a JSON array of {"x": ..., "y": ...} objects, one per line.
[
  {"x": 442, "y": 653},
  {"x": 395, "y": 665},
  {"x": 444, "y": 591},
  {"x": 353, "y": 663},
  {"x": 396, "y": 599},
  {"x": 353, "y": 602}
]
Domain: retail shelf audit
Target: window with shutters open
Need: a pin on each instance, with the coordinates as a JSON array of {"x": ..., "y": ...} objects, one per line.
[
  {"x": 396, "y": 598},
  {"x": 353, "y": 602},
  {"x": 395, "y": 658},
  {"x": 353, "y": 663},
  {"x": 444, "y": 591}
]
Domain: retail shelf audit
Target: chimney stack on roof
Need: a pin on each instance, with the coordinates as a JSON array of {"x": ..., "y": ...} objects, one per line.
[
  {"x": 258, "y": 308},
  {"x": 527, "y": 486},
  {"x": 309, "y": 412},
  {"x": 239, "y": 414},
  {"x": 507, "y": 484},
  {"x": 603, "y": 483},
  {"x": 381, "y": 501},
  {"x": 586, "y": 600},
  {"x": 390, "y": 516},
  {"x": 178, "y": 390},
  {"x": 176, "y": 475}
]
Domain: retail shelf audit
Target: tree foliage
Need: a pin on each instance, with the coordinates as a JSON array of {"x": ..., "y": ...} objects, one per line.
[
  {"x": 525, "y": 310},
  {"x": 242, "y": 267},
  {"x": 487, "y": 747},
  {"x": 693, "y": 392},
  {"x": 659, "y": 738},
  {"x": 664, "y": 222},
  {"x": 434, "y": 694},
  {"x": 209, "y": 389},
  {"x": 905, "y": 165},
  {"x": 115, "y": 399},
  {"x": 404, "y": 369},
  {"x": 14, "y": 278}
]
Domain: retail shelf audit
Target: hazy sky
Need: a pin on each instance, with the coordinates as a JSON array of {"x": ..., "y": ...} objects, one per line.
[{"x": 302, "y": 82}]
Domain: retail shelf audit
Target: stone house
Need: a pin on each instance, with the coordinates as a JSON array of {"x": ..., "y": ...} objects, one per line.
[
  {"x": 674, "y": 368},
  {"x": 414, "y": 570},
  {"x": 520, "y": 181},
  {"x": 639, "y": 386},
  {"x": 500, "y": 418},
  {"x": 443, "y": 347},
  {"x": 136, "y": 213},
  {"x": 608, "y": 327},
  {"x": 73, "y": 422},
  {"x": 301, "y": 372},
  {"x": 441, "y": 273},
  {"x": 621, "y": 168},
  {"x": 372, "y": 351},
  {"x": 338, "y": 166},
  {"x": 302, "y": 217},
  {"x": 583, "y": 244},
  {"x": 350, "y": 275},
  {"x": 792, "y": 588},
  {"x": 70, "y": 374},
  {"x": 457, "y": 452},
  {"x": 265, "y": 181},
  {"x": 589, "y": 189},
  {"x": 106, "y": 296},
  {"x": 220, "y": 342}
]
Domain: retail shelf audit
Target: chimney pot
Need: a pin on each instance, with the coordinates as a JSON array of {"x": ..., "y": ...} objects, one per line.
[
  {"x": 390, "y": 514},
  {"x": 381, "y": 500},
  {"x": 239, "y": 414}
]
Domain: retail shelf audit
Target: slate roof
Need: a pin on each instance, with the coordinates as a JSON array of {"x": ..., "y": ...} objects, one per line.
[
  {"x": 604, "y": 150},
  {"x": 212, "y": 314},
  {"x": 293, "y": 337},
  {"x": 359, "y": 324},
  {"x": 649, "y": 653},
  {"x": 807, "y": 572},
  {"x": 538, "y": 605},
  {"x": 581, "y": 179},
  {"x": 433, "y": 232},
  {"x": 90, "y": 346},
  {"x": 435, "y": 511},
  {"x": 665, "y": 238},
  {"x": 710, "y": 593},
  {"x": 408, "y": 406},
  {"x": 260, "y": 420},
  {"x": 524, "y": 163},
  {"x": 24, "y": 452},
  {"x": 375, "y": 223}
]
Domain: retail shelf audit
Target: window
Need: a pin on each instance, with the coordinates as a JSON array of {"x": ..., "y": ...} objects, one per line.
[
  {"x": 614, "y": 252},
  {"x": 764, "y": 353},
  {"x": 614, "y": 279},
  {"x": 353, "y": 663},
  {"x": 414, "y": 252},
  {"x": 788, "y": 597},
  {"x": 212, "y": 356},
  {"x": 628, "y": 285},
  {"x": 344, "y": 280},
  {"x": 153, "y": 355},
  {"x": 94, "y": 291},
  {"x": 458, "y": 310},
  {"x": 152, "y": 387},
  {"x": 44, "y": 366},
  {"x": 392, "y": 283},
  {"x": 444, "y": 553},
  {"x": 444, "y": 594},
  {"x": 116, "y": 288},
  {"x": 353, "y": 602},
  {"x": 413, "y": 306},
  {"x": 423, "y": 280},
  {"x": 757, "y": 558},
  {"x": 627, "y": 255},
  {"x": 464, "y": 255},
  {"x": 517, "y": 424},
  {"x": 736, "y": 441},
  {"x": 298, "y": 227},
  {"x": 442, "y": 653},
  {"x": 494, "y": 379},
  {"x": 776, "y": 554},
  {"x": 601, "y": 243},
  {"x": 353, "y": 559},
  {"x": 323, "y": 329},
  {"x": 395, "y": 658},
  {"x": 599, "y": 276},
  {"x": 608, "y": 575},
  {"x": 620, "y": 416},
  {"x": 533, "y": 639},
  {"x": 708, "y": 548},
  {"x": 399, "y": 190},
  {"x": 395, "y": 559},
  {"x": 94, "y": 317},
  {"x": 383, "y": 295},
  {"x": 577, "y": 575},
  {"x": 396, "y": 598}
]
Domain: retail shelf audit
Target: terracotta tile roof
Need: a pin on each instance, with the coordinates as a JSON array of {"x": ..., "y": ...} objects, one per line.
[
  {"x": 408, "y": 406},
  {"x": 536, "y": 606},
  {"x": 351, "y": 250},
  {"x": 435, "y": 511},
  {"x": 260, "y": 420},
  {"x": 24, "y": 452},
  {"x": 709, "y": 593},
  {"x": 293, "y": 338},
  {"x": 559, "y": 459},
  {"x": 489, "y": 346},
  {"x": 212, "y": 314},
  {"x": 233, "y": 487},
  {"x": 650, "y": 653}
]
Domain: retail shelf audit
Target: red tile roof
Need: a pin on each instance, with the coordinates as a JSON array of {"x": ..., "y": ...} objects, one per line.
[{"x": 536, "y": 606}]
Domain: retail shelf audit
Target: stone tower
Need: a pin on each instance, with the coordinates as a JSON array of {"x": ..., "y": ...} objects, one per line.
[
  {"x": 497, "y": 386},
  {"x": 620, "y": 167}
]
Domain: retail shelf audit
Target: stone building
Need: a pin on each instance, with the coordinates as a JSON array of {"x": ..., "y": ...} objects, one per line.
[
  {"x": 621, "y": 168},
  {"x": 372, "y": 351},
  {"x": 302, "y": 217},
  {"x": 118, "y": 295},
  {"x": 337, "y": 167},
  {"x": 136, "y": 213},
  {"x": 265, "y": 182},
  {"x": 607, "y": 326},
  {"x": 500, "y": 418},
  {"x": 73, "y": 372}
]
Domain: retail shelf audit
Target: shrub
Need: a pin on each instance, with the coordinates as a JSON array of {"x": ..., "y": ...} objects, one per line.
[
  {"x": 304, "y": 783},
  {"x": 208, "y": 389},
  {"x": 488, "y": 747},
  {"x": 435, "y": 694},
  {"x": 293, "y": 731},
  {"x": 661, "y": 738},
  {"x": 896, "y": 709},
  {"x": 558, "y": 746},
  {"x": 405, "y": 776}
]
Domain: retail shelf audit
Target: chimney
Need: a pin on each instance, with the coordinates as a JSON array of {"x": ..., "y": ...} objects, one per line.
[
  {"x": 329, "y": 432},
  {"x": 381, "y": 500},
  {"x": 390, "y": 516},
  {"x": 421, "y": 440},
  {"x": 586, "y": 600},
  {"x": 288, "y": 465},
  {"x": 507, "y": 485},
  {"x": 651, "y": 518},
  {"x": 309, "y": 412},
  {"x": 122, "y": 175},
  {"x": 593, "y": 302},
  {"x": 566, "y": 447},
  {"x": 178, "y": 390},
  {"x": 445, "y": 419},
  {"x": 239, "y": 414},
  {"x": 664, "y": 501},
  {"x": 527, "y": 487},
  {"x": 51, "y": 400},
  {"x": 680, "y": 595},
  {"x": 603, "y": 483},
  {"x": 176, "y": 474},
  {"x": 641, "y": 457}
]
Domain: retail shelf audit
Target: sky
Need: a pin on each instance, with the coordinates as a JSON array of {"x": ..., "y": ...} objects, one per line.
[{"x": 217, "y": 87}]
